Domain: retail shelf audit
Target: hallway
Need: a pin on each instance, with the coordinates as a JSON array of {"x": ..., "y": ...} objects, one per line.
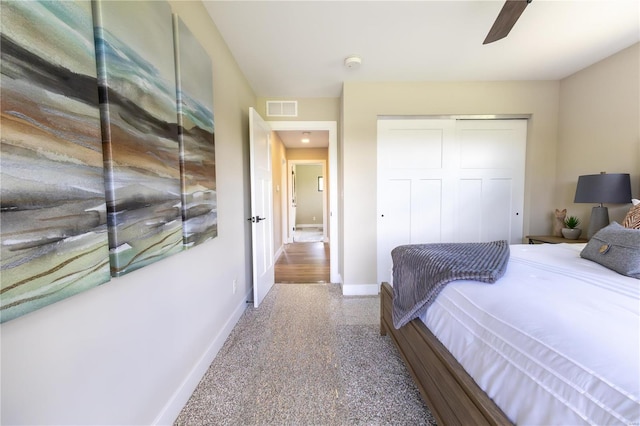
[{"x": 303, "y": 263}]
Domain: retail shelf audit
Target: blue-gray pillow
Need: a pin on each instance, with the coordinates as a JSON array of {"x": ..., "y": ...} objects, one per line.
[{"x": 617, "y": 248}]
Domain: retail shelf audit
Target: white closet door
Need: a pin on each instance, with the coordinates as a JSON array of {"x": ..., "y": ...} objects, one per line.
[
  {"x": 448, "y": 181},
  {"x": 490, "y": 156},
  {"x": 412, "y": 179}
]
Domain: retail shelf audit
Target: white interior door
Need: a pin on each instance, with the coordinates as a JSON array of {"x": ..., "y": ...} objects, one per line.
[
  {"x": 447, "y": 180},
  {"x": 261, "y": 206}
]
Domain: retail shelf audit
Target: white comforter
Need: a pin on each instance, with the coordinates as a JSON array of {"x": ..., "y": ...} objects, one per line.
[{"x": 555, "y": 341}]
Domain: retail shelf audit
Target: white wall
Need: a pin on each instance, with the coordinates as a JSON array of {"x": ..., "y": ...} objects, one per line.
[{"x": 131, "y": 351}]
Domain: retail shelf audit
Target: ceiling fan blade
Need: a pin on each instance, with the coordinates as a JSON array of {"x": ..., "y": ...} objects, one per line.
[{"x": 506, "y": 19}]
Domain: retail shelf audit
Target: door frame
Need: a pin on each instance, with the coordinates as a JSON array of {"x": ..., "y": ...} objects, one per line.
[
  {"x": 290, "y": 165},
  {"x": 333, "y": 208}
]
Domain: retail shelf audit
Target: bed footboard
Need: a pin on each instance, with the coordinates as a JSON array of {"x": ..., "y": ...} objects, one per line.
[{"x": 451, "y": 394}]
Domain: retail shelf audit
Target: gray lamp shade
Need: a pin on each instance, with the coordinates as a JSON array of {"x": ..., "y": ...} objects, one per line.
[{"x": 612, "y": 188}]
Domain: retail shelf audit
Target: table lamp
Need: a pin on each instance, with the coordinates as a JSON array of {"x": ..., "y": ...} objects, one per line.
[{"x": 602, "y": 188}]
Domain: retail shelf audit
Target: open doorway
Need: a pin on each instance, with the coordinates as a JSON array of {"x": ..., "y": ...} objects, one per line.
[
  {"x": 305, "y": 256},
  {"x": 307, "y": 201},
  {"x": 324, "y": 256}
]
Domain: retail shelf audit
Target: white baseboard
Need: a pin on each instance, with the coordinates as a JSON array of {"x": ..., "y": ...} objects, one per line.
[
  {"x": 360, "y": 289},
  {"x": 336, "y": 278},
  {"x": 279, "y": 252},
  {"x": 309, "y": 225},
  {"x": 180, "y": 397}
]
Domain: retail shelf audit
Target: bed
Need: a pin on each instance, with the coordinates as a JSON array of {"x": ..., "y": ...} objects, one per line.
[{"x": 547, "y": 356}]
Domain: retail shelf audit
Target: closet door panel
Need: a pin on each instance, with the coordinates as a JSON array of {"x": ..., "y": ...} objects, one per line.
[
  {"x": 412, "y": 149},
  {"x": 496, "y": 208},
  {"x": 394, "y": 221},
  {"x": 426, "y": 211},
  {"x": 485, "y": 148},
  {"x": 468, "y": 217}
]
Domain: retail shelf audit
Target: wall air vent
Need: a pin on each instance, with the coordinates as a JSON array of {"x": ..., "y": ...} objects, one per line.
[{"x": 282, "y": 108}]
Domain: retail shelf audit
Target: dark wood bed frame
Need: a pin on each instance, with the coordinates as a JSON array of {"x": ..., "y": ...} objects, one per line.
[{"x": 451, "y": 394}]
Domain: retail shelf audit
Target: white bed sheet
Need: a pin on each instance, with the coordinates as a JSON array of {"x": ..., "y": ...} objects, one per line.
[{"x": 555, "y": 341}]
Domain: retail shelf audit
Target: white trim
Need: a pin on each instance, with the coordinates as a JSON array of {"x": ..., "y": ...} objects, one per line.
[
  {"x": 458, "y": 117},
  {"x": 334, "y": 211},
  {"x": 278, "y": 252},
  {"x": 174, "y": 405},
  {"x": 360, "y": 289}
]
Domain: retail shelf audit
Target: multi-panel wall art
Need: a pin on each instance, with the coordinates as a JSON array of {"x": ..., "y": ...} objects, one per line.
[
  {"x": 54, "y": 227},
  {"x": 136, "y": 80},
  {"x": 196, "y": 133},
  {"x": 91, "y": 178}
]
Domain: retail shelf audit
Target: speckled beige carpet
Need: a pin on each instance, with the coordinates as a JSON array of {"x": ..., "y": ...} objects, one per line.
[{"x": 307, "y": 356}]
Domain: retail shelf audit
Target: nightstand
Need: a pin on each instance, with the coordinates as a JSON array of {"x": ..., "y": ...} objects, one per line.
[{"x": 550, "y": 239}]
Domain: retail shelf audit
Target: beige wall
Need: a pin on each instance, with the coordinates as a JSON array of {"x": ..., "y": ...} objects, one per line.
[
  {"x": 308, "y": 154},
  {"x": 279, "y": 167},
  {"x": 309, "y": 109},
  {"x": 309, "y": 199},
  {"x": 599, "y": 129},
  {"x": 363, "y": 102},
  {"x": 131, "y": 351}
]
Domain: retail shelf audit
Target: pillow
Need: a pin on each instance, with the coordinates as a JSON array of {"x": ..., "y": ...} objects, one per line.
[
  {"x": 617, "y": 248},
  {"x": 632, "y": 219}
]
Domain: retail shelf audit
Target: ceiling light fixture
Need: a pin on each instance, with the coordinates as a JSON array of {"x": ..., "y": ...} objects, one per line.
[
  {"x": 305, "y": 137},
  {"x": 353, "y": 62}
]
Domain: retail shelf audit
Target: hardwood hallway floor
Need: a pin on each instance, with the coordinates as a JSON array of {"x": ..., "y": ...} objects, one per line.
[{"x": 303, "y": 263}]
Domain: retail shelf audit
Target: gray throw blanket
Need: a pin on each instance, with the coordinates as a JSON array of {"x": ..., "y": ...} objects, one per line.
[{"x": 421, "y": 271}]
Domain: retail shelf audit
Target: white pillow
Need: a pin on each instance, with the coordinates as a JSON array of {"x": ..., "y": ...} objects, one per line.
[{"x": 635, "y": 201}]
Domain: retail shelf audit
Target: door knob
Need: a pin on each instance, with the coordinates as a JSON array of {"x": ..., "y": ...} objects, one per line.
[{"x": 258, "y": 218}]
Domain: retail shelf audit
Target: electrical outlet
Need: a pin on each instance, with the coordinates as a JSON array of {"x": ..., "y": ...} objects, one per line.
[
  {"x": 314, "y": 218},
  {"x": 235, "y": 286}
]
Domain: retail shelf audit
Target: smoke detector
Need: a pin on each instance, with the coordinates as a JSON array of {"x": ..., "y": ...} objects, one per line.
[{"x": 353, "y": 62}]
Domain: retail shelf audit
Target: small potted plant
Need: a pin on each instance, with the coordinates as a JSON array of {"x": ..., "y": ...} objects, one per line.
[{"x": 571, "y": 230}]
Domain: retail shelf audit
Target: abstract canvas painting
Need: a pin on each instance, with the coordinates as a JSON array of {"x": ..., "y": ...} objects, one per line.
[
  {"x": 53, "y": 214},
  {"x": 136, "y": 81},
  {"x": 196, "y": 134}
]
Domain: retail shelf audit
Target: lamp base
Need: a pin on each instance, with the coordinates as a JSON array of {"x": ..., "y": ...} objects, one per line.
[{"x": 599, "y": 219}]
